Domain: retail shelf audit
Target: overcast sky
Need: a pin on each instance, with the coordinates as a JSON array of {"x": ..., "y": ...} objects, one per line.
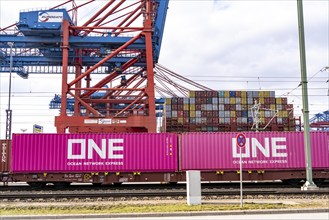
[{"x": 225, "y": 45}]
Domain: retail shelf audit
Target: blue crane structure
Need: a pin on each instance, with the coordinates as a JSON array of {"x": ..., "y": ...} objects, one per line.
[
  {"x": 320, "y": 121},
  {"x": 121, "y": 41}
]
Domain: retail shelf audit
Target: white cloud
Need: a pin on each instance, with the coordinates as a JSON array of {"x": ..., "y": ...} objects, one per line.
[{"x": 248, "y": 38}]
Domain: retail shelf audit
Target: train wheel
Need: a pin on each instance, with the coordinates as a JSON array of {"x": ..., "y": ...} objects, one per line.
[
  {"x": 37, "y": 185},
  {"x": 61, "y": 185}
]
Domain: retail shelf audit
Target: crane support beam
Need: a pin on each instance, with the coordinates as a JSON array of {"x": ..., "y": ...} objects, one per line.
[{"x": 75, "y": 41}]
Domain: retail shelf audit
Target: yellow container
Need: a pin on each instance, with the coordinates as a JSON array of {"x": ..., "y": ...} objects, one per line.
[
  {"x": 232, "y": 100},
  {"x": 186, "y": 107},
  {"x": 192, "y": 107},
  {"x": 278, "y": 101},
  {"x": 243, "y": 94},
  {"x": 232, "y": 114},
  {"x": 261, "y": 94},
  {"x": 284, "y": 113},
  {"x": 262, "y": 100},
  {"x": 192, "y": 114},
  {"x": 267, "y": 94},
  {"x": 226, "y": 94},
  {"x": 244, "y": 107},
  {"x": 272, "y": 106},
  {"x": 180, "y": 120},
  {"x": 191, "y": 94},
  {"x": 280, "y": 114},
  {"x": 244, "y": 101},
  {"x": 168, "y": 100},
  {"x": 262, "y": 114}
]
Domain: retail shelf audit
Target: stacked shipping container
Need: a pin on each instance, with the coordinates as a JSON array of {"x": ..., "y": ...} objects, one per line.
[{"x": 209, "y": 111}]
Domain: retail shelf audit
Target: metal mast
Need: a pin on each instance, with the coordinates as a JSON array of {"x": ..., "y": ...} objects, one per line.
[
  {"x": 309, "y": 184},
  {"x": 9, "y": 112}
]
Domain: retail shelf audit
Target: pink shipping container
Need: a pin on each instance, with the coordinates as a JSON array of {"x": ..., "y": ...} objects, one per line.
[
  {"x": 135, "y": 152},
  {"x": 263, "y": 150}
]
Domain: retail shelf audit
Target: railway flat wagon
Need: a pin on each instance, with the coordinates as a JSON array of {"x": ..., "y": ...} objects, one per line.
[{"x": 266, "y": 155}]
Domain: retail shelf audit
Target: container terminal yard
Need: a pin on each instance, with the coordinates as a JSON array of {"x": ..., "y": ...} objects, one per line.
[{"x": 114, "y": 128}]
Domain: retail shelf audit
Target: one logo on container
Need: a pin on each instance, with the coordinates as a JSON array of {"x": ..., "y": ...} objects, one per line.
[
  {"x": 272, "y": 150},
  {"x": 87, "y": 148}
]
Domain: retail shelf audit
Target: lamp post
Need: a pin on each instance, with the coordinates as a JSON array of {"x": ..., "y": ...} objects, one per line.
[
  {"x": 309, "y": 184},
  {"x": 9, "y": 111}
]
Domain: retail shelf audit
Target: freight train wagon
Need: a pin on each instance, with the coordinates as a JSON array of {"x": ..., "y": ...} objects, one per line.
[{"x": 61, "y": 159}]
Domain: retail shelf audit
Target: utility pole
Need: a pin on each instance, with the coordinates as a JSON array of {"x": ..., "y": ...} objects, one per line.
[
  {"x": 9, "y": 111},
  {"x": 309, "y": 184}
]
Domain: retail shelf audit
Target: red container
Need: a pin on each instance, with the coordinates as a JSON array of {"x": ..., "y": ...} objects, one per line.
[
  {"x": 272, "y": 100},
  {"x": 5, "y": 149},
  {"x": 232, "y": 107},
  {"x": 284, "y": 101},
  {"x": 263, "y": 150},
  {"x": 135, "y": 152}
]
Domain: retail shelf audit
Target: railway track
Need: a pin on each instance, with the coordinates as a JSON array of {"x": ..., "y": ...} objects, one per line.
[
  {"x": 151, "y": 193},
  {"x": 154, "y": 186}
]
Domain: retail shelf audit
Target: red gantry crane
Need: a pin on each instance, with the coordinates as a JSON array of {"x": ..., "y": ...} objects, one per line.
[
  {"x": 134, "y": 90},
  {"x": 121, "y": 43}
]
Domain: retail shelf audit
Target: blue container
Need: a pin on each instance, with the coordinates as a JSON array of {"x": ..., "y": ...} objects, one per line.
[
  {"x": 221, "y": 94},
  {"x": 249, "y": 94},
  {"x": 244, "y": 113}
]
